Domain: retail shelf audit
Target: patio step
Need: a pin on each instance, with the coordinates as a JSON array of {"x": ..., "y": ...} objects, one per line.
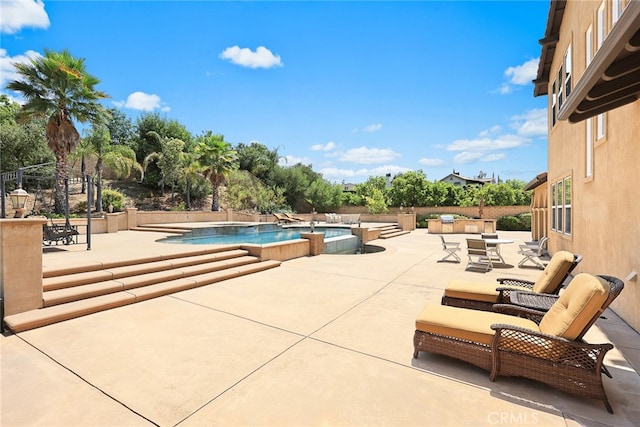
[
  {"x": 392, "y": 230},
  {"x": 74, "y": 291},
  {"x": 162, "y": 229}
]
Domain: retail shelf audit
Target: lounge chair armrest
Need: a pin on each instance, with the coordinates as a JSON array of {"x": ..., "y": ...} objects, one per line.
[
  {"x": 516, "y": 282},
  {"x": 451, "y": 245},
  {"x": 514, "y": 339},
  {"x": 516, "y": 310},
  {"x": 504, "y": 293}
]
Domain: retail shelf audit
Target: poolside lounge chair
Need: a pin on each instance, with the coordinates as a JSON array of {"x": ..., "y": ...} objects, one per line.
[
  {"x": 281, "y": 219},
  {"x": 482, "y": 295},
  {"x": 546, "y": 348},
  {"x": 293, "y": 218},
  {"x": 450, "y": 248}
]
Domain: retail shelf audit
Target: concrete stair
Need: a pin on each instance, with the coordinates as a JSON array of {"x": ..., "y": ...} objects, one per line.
[
  {"x": 77, "y": 290},
  {"x": 391, "y": 230},
  {"x": 162, "y": 228}
]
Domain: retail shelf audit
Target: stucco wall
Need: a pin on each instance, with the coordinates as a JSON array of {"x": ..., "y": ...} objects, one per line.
[{"x": 605, "y": 212}]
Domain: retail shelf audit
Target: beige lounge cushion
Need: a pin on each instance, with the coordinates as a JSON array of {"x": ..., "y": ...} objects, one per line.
[
  {"x": 577, "y": 305},
  {"x": 554, "y": 273},
  {"x": 471, "y": 325},
  {"x": 475, "y": 291}
]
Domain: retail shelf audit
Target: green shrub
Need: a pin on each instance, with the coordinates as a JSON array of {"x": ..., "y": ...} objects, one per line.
[
  {"x": 520, "y": 222},
  {"x": 111, "y": 197}
]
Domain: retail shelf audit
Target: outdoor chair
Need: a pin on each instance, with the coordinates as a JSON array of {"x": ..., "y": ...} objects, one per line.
[
  {"x": 293, "y": 218},
  {"x": 479, "y": 255},
  {"x": 483, "y": 295},
  {"x": 450, "y": 248},
  {"x": 281, "y": 219},
  {"x": 485, "y": 236},
  {"x": 532, "y": 253},
  {"x": 520, "y": 342}
]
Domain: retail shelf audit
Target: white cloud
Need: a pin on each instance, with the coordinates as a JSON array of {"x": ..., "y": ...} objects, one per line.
[
  {"x": 261, "y": 58},
  {"x": 364, "y": 155},
  {"x": 466, "y": 157},
  {"x": 493, "y": 130},
  {"x": 293, "y": 160},
  {"x": 7, "y": 70},
  {"x": 143, "y": 101},
  {"x": 326, "y": 147},
  {"x": 519, "y": 75},
  {"x": 533, "y": 123},
  {"x": 487, "y": 144},
  {"x": 523, "y": 74},
  {"x": 372, "y": 128},
  {"x": 17, "y": 14},
  {"x": 336, "y": 174},
  {"x": 431, "y": 162},
  {"x": 493, "y": 157}
]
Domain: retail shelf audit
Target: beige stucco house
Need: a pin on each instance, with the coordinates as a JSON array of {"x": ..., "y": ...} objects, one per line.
[{"x": 590, "y": 72}]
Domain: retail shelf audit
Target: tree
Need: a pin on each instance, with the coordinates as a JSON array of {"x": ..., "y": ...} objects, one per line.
[
  {"x": 324, "y": 196},
  {"x": 246, "y": 192},
  {"x": 21, "y": 144},
  {"x": 217, "y": 158},
  {"x": 259, "y": 160},
  {"x": 121, "y": 128},
  {"x": 146, "y": 143},
  {"x": 119, "y": 158},
  {"x": 58, "y": 88},
  {"x": 374, "y": 186},
  {"x": 443, "y": 194},
  {"x": 294, "y": 182},
  {"x": 409, "y": 189},
  {"x": 169, "y": 161}
]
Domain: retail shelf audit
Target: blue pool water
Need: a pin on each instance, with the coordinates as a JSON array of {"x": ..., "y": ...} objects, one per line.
[{"x": 256, "y": 234}]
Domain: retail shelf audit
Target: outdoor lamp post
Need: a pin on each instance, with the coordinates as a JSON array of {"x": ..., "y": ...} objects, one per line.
[{"x": 18, "y": 199}]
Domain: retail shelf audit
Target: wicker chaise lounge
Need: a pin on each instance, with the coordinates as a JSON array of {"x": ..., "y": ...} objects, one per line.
[
  {"x": 543, "y": 347},
  {"x": 483, "y": 295}
]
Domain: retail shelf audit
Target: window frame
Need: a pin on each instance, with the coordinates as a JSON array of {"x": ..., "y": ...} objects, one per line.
[{"x": 561, "y": 208}]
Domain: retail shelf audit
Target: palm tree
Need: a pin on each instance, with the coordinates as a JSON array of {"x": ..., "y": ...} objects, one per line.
[
  {"x": 191, "y": 171},
  {"x": 119, "y": 158},
  {"x": 217, "y": 158},
  {"x": 58, "y": 88}
]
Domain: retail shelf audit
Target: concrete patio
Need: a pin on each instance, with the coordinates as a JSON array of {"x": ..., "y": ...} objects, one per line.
[{"x": 324, "y": 340}]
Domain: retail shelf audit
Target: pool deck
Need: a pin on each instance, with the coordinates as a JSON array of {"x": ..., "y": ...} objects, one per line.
[{"x": 324, "y": 340}]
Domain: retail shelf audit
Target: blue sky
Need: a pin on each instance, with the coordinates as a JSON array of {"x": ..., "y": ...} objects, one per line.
[{"x": 356, "y": 89}]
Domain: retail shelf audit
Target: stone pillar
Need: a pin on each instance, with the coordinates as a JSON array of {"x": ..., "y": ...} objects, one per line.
[
  {"x": 407, "y": 221},
  {"x": 112, "y": 222},
  {"x": 21, "y": 264},
  {"x": 316, "y": 242},
  {"x": 132, "y": 220}
]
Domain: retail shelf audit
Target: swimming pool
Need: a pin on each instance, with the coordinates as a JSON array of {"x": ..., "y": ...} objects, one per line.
[{"x": 250, "y": 233}]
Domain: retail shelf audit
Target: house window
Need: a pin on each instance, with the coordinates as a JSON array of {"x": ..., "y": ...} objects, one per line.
[
  {"x": 601, "y": 31},
  {"x": 589, "y": 149},
  {"x": 567, "y": 72},
  {"x": 567, "y": 205},
  {"x": 601, "y": 130},
  {"x": 616, "y": 11},
  {"x": 553, "y": 207},
  {"x": 554, "y": 101},
  {"x": 561, "y": 194},
  {"x": 561, "y": 87},
  {"x": 588, "y": 38}
]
